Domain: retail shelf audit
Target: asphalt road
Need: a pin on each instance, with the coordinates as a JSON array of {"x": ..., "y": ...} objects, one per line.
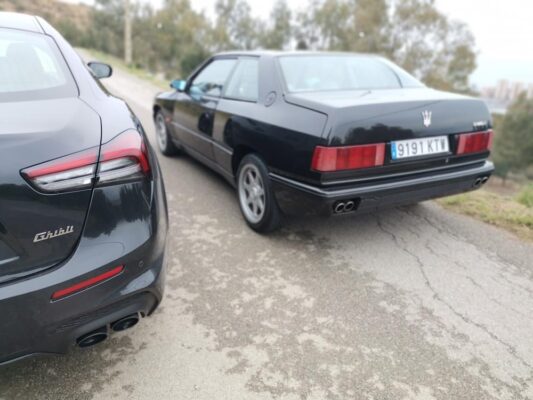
[{"x": 410, "y": 303}]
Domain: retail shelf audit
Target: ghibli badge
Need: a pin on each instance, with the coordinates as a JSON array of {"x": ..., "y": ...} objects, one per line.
[
  {"x": 426, "y": 115},
  {"x": 50, "y": 235}
]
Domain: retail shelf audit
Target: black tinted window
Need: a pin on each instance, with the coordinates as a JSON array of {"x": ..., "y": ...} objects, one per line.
[
  {"x": 212, "y": 78},
  {"x": 32, "y": 68},
  {"x": 244, "y": 83},
  {"x": 338, "y": 72}
]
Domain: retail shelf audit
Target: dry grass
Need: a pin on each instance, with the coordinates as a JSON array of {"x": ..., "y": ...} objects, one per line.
[{"x": 501, "y": 210}]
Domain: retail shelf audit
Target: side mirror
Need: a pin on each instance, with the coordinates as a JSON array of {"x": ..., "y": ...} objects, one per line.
[
  {"x": 100, "y": 70},
  {"x": 178, "y": 84}
]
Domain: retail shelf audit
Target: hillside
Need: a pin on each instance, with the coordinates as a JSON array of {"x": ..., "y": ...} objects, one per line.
[{"x": 73, "y": 20}]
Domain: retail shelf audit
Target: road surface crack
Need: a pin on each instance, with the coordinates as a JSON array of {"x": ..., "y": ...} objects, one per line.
[{"x": 437, "y": 297}]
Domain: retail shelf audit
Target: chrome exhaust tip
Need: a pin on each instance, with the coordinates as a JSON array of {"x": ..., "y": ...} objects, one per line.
[
  {"x": 125, "y": 323},
  {"x": 477, "y": 183},
  {"x": 92, "y": 338},
  {"x": 339, "y": 207},
  {"x": 349, "y": 206},
  {"x": 484, "y": 180}
]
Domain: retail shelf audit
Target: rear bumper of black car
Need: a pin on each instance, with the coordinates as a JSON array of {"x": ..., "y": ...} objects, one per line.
[
  {"x": 34, "y": 325},
  {"x": 295, "y": 197},
  {"x": 126, "y": 226}
]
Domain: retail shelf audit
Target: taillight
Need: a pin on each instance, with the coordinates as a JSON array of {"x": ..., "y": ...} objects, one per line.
[
  {"x": 475, "y": 142},
  {"x": 328, "y": 159},
  {"x": 75, "y": 171},
  {"x": 124, "y": 157}
]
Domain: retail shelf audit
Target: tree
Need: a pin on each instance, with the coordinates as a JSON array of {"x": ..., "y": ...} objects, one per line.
[
  {"x": 235, "y": 28},
  {"x": 325, "y": 25},
  {"x": 413, "y": 33},
  {"x": 107, "y": 31},
  {"x": 175, "y": 36},
  {"x": 127, "y": 32},
  {"x": 513, "y": 147},
  {"x": 279, "y": 34},
  {"x": 429, "y": 45}
]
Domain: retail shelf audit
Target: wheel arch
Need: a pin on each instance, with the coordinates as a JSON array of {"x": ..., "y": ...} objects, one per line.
[{"x": 239, "y": 152}]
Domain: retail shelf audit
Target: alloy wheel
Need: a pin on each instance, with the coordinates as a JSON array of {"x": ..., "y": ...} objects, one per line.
[
  {"x": 252, "y": 193},
  {"x": 161, "y": 131}
]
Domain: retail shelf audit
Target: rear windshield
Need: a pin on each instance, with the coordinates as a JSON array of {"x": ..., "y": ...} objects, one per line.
[
  {"x": 32, "y": 68},
  {"x": 342, "y": 72}
]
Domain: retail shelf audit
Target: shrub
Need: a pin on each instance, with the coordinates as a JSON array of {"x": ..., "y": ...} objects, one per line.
[{"x": 525, "y": 196}]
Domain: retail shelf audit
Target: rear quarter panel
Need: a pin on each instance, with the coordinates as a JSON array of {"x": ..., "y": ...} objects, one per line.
[{"x": 283, "y": 134}]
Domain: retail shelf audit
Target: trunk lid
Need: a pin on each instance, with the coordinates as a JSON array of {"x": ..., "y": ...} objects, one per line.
[
  {"x": 39, "y": 230},
  {"x": 364, "y": 116}
]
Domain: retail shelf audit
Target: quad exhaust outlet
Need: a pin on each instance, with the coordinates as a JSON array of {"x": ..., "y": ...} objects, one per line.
[{"x": 101, "y": 334}]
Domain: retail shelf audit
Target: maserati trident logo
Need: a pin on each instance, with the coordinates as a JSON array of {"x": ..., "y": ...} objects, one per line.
[
  {"x": 426, "y": 115},
  {"x": 52, "y": 234}
]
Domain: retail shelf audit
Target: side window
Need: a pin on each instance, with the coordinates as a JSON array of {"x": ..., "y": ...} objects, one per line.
[
  {"x": 244, "y": 84},
  {"x": 210, "y": 81}
]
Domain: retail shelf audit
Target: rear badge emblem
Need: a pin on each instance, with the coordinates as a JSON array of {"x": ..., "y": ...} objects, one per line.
[
  {"x": 52, "y": 234},
  {"x": 478, "y": 125},
  {"x": 426, "y": 115}
]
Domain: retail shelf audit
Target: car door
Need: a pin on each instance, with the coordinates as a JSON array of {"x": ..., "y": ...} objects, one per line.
[
  {"x": 238, "y": 104},
  {"x": 194, "y": 109}
]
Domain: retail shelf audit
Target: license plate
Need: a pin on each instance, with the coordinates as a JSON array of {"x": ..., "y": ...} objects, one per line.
[{"x": 419, "y": 147}]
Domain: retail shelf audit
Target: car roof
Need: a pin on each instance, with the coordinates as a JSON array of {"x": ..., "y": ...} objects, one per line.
[
  {"x": 20, "y": 21},
  {"x": 278, "y": 53}
]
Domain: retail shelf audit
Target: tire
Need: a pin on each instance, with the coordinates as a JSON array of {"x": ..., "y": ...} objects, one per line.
[
  {"x": 164, "y": 142},
  {"x": 256, "y": 197}
]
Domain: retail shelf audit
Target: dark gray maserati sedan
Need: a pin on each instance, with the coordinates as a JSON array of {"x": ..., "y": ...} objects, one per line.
[{"x": 83, "y": 217}]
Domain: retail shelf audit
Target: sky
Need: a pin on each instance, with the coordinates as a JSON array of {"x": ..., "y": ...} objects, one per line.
[{"x": 503, "y": 30}]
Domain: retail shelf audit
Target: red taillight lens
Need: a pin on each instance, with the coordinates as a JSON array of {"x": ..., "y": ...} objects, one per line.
[
  {"x": 475, "y": 142},
  {"x": 328, "y": 159},
  {"x": 78, "y": 287},
  {"x": 123, "y": 157},
  {"x": 75, "y": 171}
]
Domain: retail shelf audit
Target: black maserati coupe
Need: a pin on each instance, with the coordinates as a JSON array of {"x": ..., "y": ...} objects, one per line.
[
  {"x": 332, "y": 133},
  {"x": 83, "y": 217}
]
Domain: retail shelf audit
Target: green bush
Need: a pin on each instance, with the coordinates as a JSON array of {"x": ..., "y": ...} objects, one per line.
[
  {"x": 513, "y": 142},
  {"x": 525, "y": 196}
]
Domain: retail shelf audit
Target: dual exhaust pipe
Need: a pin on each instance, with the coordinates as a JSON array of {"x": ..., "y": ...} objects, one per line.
[
  {"x": 101, "y": 334},
  {"x": 480, "y": 181},
  {"x": 342, "y": 207}
]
